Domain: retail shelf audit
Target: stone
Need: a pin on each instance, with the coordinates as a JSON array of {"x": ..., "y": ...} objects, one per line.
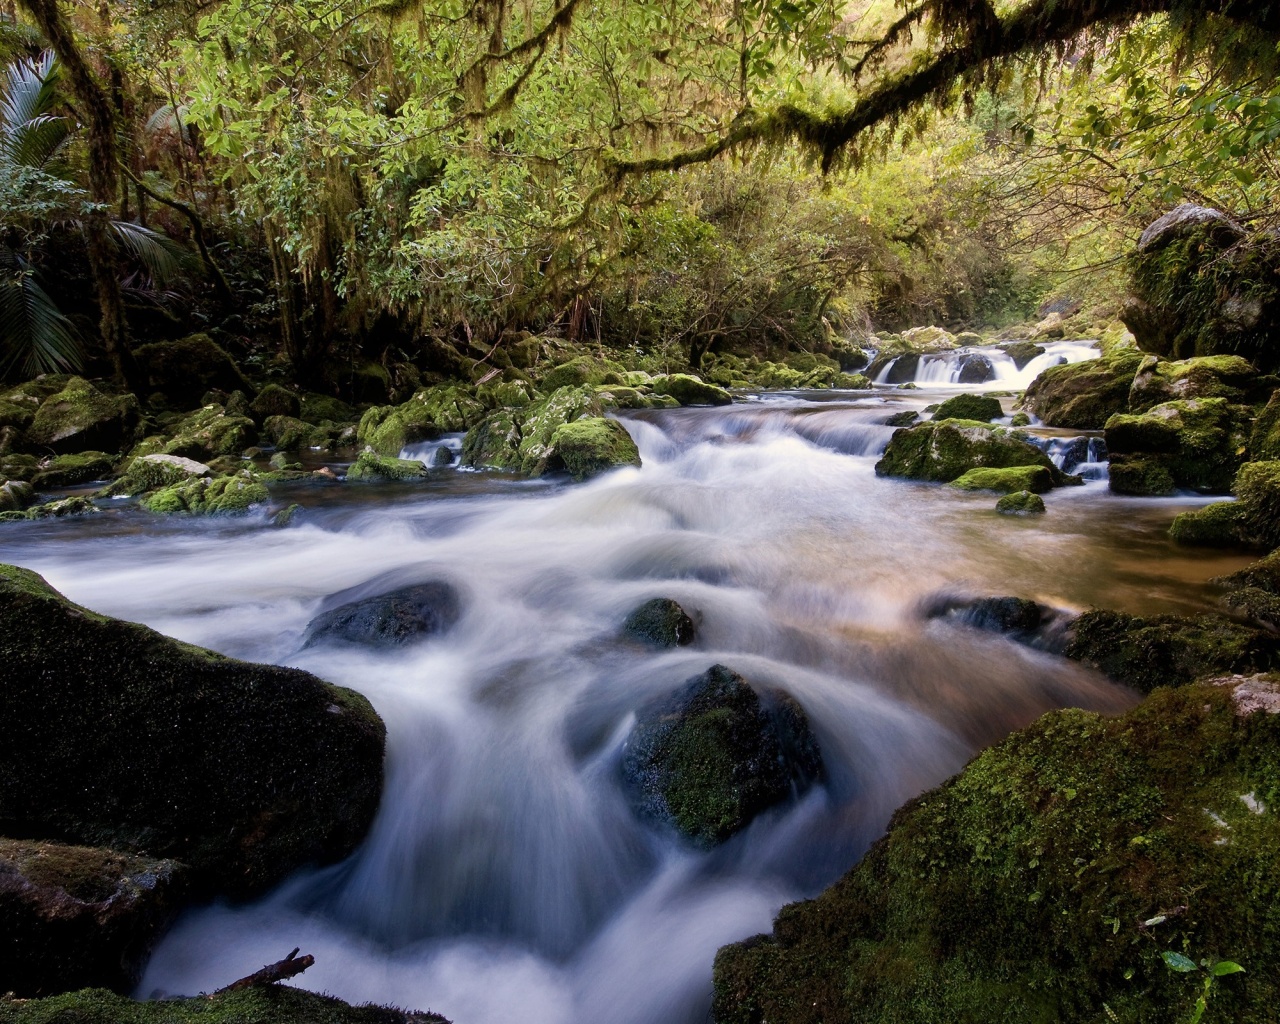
[
  {"x": 1037, "y": 479},
  {"x": 902, "y": 419},
  {"x": 397, "y": 617},
  {"x": 1083, "y": 395},
  {"x": 1022, "y": 352},
  {"x": 372, "y": 468},
  {"x": 1200, "y": 444},
  {"x": 1021, "y": 503},
  {"x": 273, "y": 400},
  {"x": 184, "y": 370},
  {"x": 969, "y": 407},
  {"x": 661, "y": 622},
  {"x": 16, "y": 495},
  {"x": 153, "y": 472},
  {"x": 288, "y": 433},
  {"x": 81, "y": 418},
  {"x": 162, "y": 749},
  {"x": 591, "y": 445},
  {"x": 943, "y": 450},
  {"x": 207, "y": 495},
  {"x": 69, "y": 470},
  {"x": 1161, "y": 380},
  {"x": 316, "y": 409},
  {"x": 1252, "y": 521},
  {"x": 1264, "y": 441},
  {"x": 210, "y": 432},
  {"x": 690, "y": 390},
  {"x": 710, "y": 757},
  {"x": 975, "y": 369}
]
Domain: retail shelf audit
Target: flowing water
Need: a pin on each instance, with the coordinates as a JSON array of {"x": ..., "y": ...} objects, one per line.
[{"x": 505, "y": 877}]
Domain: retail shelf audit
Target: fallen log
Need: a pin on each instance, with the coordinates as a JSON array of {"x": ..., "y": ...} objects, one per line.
[{"x": 272, "y": 973}]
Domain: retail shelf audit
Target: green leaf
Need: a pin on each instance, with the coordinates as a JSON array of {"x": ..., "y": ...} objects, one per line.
[
  {"x": 1225, "y": 967},
  {"x": 1178, "y": 962}
]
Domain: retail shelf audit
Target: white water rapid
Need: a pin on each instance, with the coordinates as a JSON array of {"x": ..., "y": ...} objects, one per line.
[{"x": 505, "y": 878}]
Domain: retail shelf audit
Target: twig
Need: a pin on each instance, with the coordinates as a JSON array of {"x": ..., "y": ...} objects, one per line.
[{"x": 269, "y": 975}]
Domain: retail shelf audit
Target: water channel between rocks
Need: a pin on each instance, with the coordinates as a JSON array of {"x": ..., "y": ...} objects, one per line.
[{"x": 505, "y": 877}]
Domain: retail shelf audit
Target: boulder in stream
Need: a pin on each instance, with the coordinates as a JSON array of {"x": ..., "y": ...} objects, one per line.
[
  {"x": 81, "y": 418},
  {"x": 1021, "y": 503},
  {"x": 1010, "y": 480},
  {"x": 1253, "y": 520},
  {"x": 942, "y": 450},
  {"x": 975, "y": 369},
  {"x": 591, "y": 445},
  {"x": 1253, "y": 592},
  {"x": 661, "y": 622},
  {"x": 690, "y": 390},
  {"x": 1197, "y": 444},
  {"x": 969, "y": 407},
  {"x": 396, "y": 617},
  {"x": 1084, "y": 395},
  {"x": 710, "y": 757}
]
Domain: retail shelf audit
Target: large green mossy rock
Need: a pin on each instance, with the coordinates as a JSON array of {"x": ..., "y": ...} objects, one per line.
[
  {"x": 184, "y": 370},
  {"x": 80, "y": 917},
  {"x": 445, "y": 408},
  {"x": 1230, "y": 377},
  {"x": 209, "y": 496},
  {"x": 1264, "y": 442},
  {"x": 690, "y": 390},
  {"x": 68, "y": 470},
  {"x": 590, "y": 446},
  {"x": 372, "y": 468},
  {"x": 1254, "y": 591},
  {"x": 1084, "y": 395},
  {"x": 273, "y": 400},
  {"x": 1199, "y": 444},
  {"x": 154, "y": 472},
  {"x": 210, "y": 432},
  {"x": 969, "y": 407},
  {"x": 272, "y": 1004},
  {"x": 582, "y": 370},
  {"x": 521, "y": 439},
  {"x": 710, "y": 757},
  {"x": 943, "y": 450},
  {"x": 80, "y": 418},
  {"x": 1251, "y": 521},
  {"x": 1168, "y": 650},
  {"x": 114, "y": 735},
  {"x": 1036, "y": 479},
  {"x": 1045, "y": 881}
]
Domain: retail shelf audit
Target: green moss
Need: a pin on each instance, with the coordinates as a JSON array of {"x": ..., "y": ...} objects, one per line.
[
  {"x": 211, "y": 432},
  {"x": 81, "y": 418},
  {"x": 1021, "y": 503},
  {"x": 316, "y": 409},
  {"x": 689, "y": 390},
  {"x": 1264, "y": 442},
  {"x": 63, "y": 507},
  {"x": 1018, "y": 891},
  {"x": 186, "y": 369},
  {"x": 582, "y": 370},
  {"x": 943, "y": 450},
  {"x": 1021, "y": 352},
  {"x": 202, "y": 495},
  {"x": 276, "y": 1004},
  {"x": 1083, "y": 395},
  {"x": 969, "y": 407},
  {"x": 1217, "y": 525},
  {"x": 1199, "y": 443},
  {"x": 245, "y": 772},
  {"x": 1158, "y": 381},
  {"x": 15, "y": 496},
  {"x": 1169, "y": 650},
  {"x": 1020, "y": 419},
  {"x": 273, "y": 400},
  {"x": 592, "y": 445},
  {"x": 67, "y": 470},
  {"x": 1036, "y": 479},
  {"x": 1252, "y": 521},
  {"x": 371, "y": 468},
  {"x": 17, "y": 414},
  {"x": 288, "y": 433}
]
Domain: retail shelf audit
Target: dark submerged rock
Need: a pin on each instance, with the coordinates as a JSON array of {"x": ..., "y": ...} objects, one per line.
[
  {"x": 662, "y": 622},
  {"x": 114, "y": 735},
  {"x": 975, "y": 369},
  {"x": 710, "y": 757},
  {"x": 397, "y": 617}
]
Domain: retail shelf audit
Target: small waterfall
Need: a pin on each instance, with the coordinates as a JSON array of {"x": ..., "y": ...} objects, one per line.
[
  {"x": 441, "y": 451},
  {"x": 979, "y": 368},
  {"x": 1083, "y": 456}
]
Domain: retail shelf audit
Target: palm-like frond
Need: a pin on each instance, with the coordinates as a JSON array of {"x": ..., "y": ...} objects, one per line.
[
  {"x": 34, "y": 335},
  {"x": 172, "y": 120},
  {"x": 163, "y": 258},
  {"x": 34, "y": 142},
  {"x": 29, "y": 133}
]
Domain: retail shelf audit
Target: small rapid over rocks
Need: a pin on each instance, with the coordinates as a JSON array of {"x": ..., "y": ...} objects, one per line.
[
  {"x": 986, "y": 367},
  {"x": 508, "y": 876}
]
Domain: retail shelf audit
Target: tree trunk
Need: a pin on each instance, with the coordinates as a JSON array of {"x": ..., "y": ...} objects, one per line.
[{"x": 96, "y": 108}]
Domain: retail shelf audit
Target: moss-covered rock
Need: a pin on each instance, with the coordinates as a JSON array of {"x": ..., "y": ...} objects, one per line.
[
  {"x": 372, "y": 468},
  {"x": 591, "y": 445},
  {"x": 273, "y": 400},
  {"x": 1044, "y": 882},
  {"x": 690, "y": 390},
  {"x": 905, "y": 418},
  {"x": 926, "y": 339},
  {"x": 68, "y": 470},
  {"x": 943, "y": 450},
  {"x": 150, "y": 746},
  {"x": 1084, "y": 395},
  {"x": 1021, "y": 503},
  {"x": 81, "y": 418},
  {"x": 18, "y": 414},
  {"x": 1168, "y": 650},
  {"x": 316, "y": 409},
  {"x": 289, "y": 433},
  {"x": 1022, "y": 352},
  {"x": 74, "y": 917},
  {"x": 153, "y": 472},
  {"x": 710, "y": 757},
  {"x": 19, "y": 466},
  {"x": 205, "y": 495},
  {"x": 661, "y": 622},
  {"x": 579, "y": 371},
  {"x": 1229, "y": 377},
  {"x": 1252, "y": 521},
  {"x": 445, "y": 408},
  {"x": 60, "y": 509},
  {"x": 494, "y": 443},
  {"x": 16, "y": 496},
  {"x": 393, "y": 618},
  {"x": 210, "y": 432},
  {"x": 273, "y": 1004},
  {"x": 969, "y": 407},
  {"x": 184, "y": 370},
  {"x": 1254, "y": 591},
  {"x": 1199, "y": 442},
  {"x": 1010, "y": 480},
  {"x": 1264, "y": 442}
]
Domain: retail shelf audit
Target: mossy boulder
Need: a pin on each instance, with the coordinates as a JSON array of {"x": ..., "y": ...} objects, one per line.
[
  {"x": 1229, "y": 377},
  {"x": 969, "y": 407},
  {"x": 1264, "y": 442},
  {"x": 59, "y": 509},
  {"x": 273, "y": 400},
  {"x": 445, "y": 408},
  {"x": 1254, "y": 591},
  {"x": 1016, "y": 616},
  {"x": 1010, "y": 480},
  {"x": 591, "y": 445},
  {"x": 184, "y": 370},
  {"x": 18, "y": 414},
  {"x": 1084, "y": 395},
  {"x": 207, "y": 495},
  {"x": 372, "y": 468},
  {"x": 1022, "y": 352},
  {"x": 1199, "y": 442},
  {"x": 690, "y": 390},
  {"x": 271, "y": 1004},
  {"x": 521, "y": 439},
  {"x": 76, "y": 917},
  {"x": 390, "y": 619},
  {"x": 16, "y": 495},
  {"x": 1168, "y": 650},
  {"x": 288, "y": 433},
  {"x": 1021, "y": 503},
  {"x": 1251, "y": 521},
  {"x": 661, "y": 622},
  {"x": 68, "y": 470},
  {"x": 926, "y": 339},
  {"x": 154, "y": 472},
  {"x": 1046, "y": 880},
  {"x": 150, "y": 746},
  {"x": 81, "y": 418},
  {"x": 943, "y": 450},
  {"x": 579, "y": 371},
  {"x": 710, "y": 757},
  {"x": 210, "y": 432},
  {"x": 316, "y": 409}
]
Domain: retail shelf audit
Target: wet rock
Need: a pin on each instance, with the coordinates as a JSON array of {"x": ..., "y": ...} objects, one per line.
[
  {"x": 969, "y": 407},
  {"x": 159, "y": 748},
  {"x": 445, "y": 408},
  {"x": 902, "y": 371},
  {"x": 371, "y": 468},
  {"x": 1084, "y": 395},
  {"x": 928, "y": 339},
  {"x": 273, "y": 400},
  {"x": 1022, "y": 352},
  {"x": 967, "y": 339},
  {"x": 944, "y": 450},
  {"x": 1012, "y": 615},
  {"x": 710, "y": 757},
  {"x": 443, "y": 457},
  {"x": 153, "y": 472},
  {"x": 662, "y": 622},
  {"x": 1036, "y": 479},
  {"x": 316, "y": 409},
  {"x": 690, "y": 390},
  {"x": 902, "y": 419},
  {"x": 184, "y": 370},
  {"x": 398, "y": 617},
  {"x": 288, "y": 516},
  {"x": 1021, "y": 503},
  {"x": 76, "y": 917},
  {"x": 1169, "y": 650},
  {"x": 1019, "y": 419},
  {"x": 975, "y": 369},
  {"x": 1254, "y": 591},
  {"x": 16, "y": 495},
  {"x": 590, "y": 446},
  {"x": 81, "y": 418},
  {"x": 1251, "y": 521},
  {"x": 1196, "y": 444},
  {"x": 288, "y": 433},
  {"x": 995, "y": 884},
  {"x": 580, "y": 371},
  {"x": 60, "y": 509},
  {"x": 205, "y": 495},
  {"x": 210, "y": 432},
  {"x": 1228, "y": 377},
  {"x": 68, "y": 470}
]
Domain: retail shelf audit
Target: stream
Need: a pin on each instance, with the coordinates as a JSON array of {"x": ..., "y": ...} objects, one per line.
[{"x": 505, "y": 877}]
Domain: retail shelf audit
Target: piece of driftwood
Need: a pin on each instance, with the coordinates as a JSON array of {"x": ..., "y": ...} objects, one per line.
[{"x": 269, "y": 975}]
